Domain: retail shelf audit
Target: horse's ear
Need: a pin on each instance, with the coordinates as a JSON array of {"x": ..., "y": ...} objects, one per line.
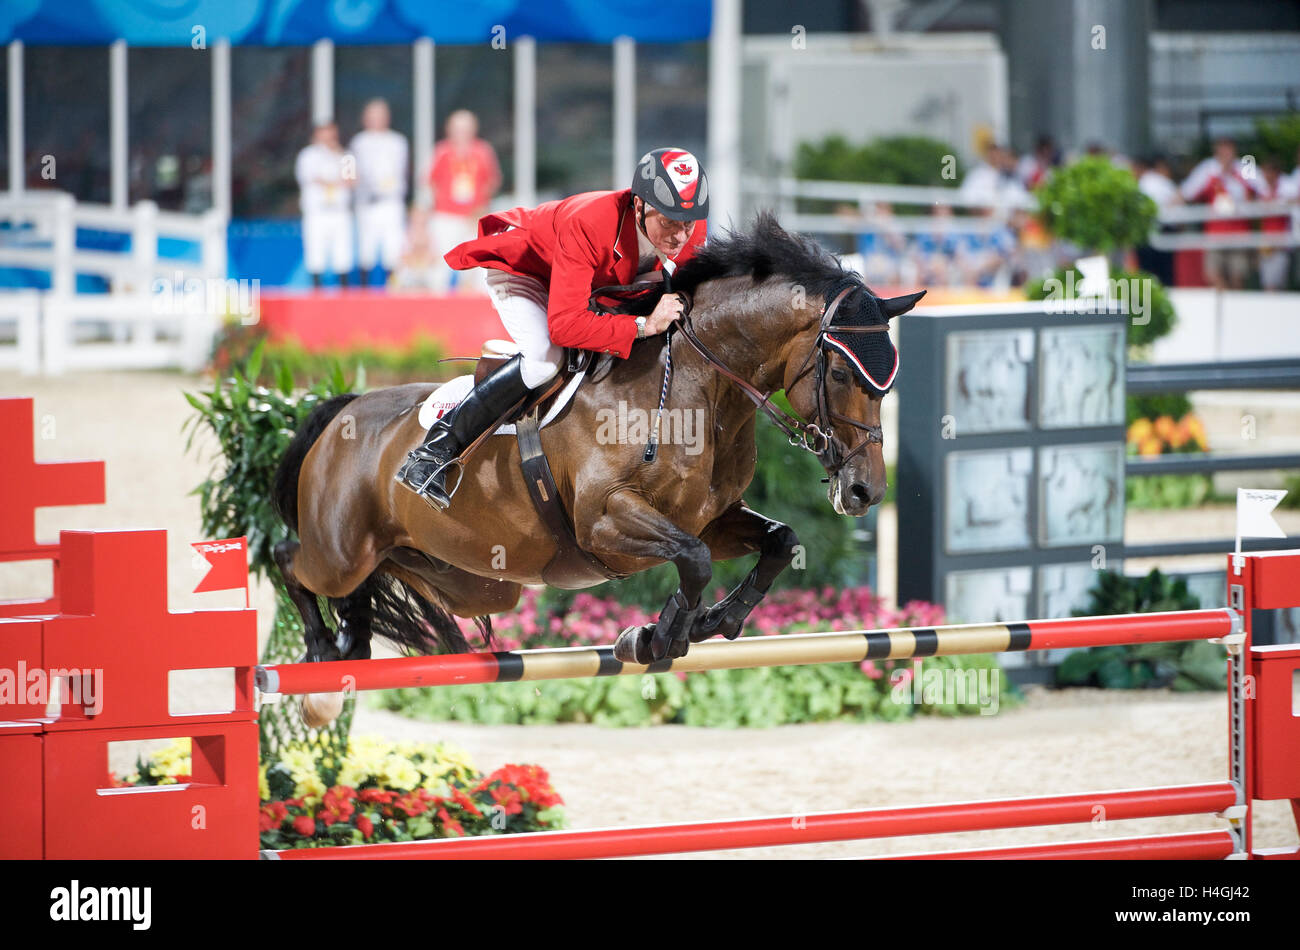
[{"x": 897, "y": 306}]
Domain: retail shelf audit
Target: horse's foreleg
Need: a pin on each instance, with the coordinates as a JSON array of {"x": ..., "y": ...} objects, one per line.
[
  {"x": 736, "y": 532},
  {"x": 631, "y": 527},
  {"x": 316, "y": 636}
]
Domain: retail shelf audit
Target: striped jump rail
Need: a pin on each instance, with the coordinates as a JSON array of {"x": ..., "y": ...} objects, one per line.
[{"x": 801, "y": 649}]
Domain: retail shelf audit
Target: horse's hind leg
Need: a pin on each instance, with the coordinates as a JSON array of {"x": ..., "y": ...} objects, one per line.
[
  {"x": 355, "y": 614},
  {"x": 320, "y": 646}
]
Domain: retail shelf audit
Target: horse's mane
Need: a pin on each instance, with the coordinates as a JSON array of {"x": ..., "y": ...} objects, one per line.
[{"x": 765, "y": 250}]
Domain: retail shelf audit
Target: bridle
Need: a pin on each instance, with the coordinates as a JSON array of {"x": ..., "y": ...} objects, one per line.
[{"x": 816, "y": 437}]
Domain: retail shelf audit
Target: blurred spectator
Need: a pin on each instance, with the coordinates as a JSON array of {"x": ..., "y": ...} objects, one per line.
[
  {"x": 883, "y": 248},
  {"x": 936, "y": 251},
  {"x": 1218, "y": 182},
  {"x": 1293, "y": 179},
  {"x": 1033, "y": 169},
  {"x": 1275, "y": 262},
  {"x": 325, "y": 179},
  {"x": 418, "y": 268},
  {"x": 464, "y": 175},
  {"x": 383, "y": 158},
  {"x": 1155, "y": 182},
  {"x": 994, "y": 182}
]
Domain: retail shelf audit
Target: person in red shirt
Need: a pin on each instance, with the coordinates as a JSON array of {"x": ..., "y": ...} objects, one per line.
[
  {"x": 543, "y": 264},
  {"x": 464, "y": 175},
  {"x": 1275, "y": 262},
  {"x": 1220, "y": 182}
]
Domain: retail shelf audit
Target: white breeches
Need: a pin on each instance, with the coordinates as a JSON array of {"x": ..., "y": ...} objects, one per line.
[
  {"x": 327, "y": 241},
  {"x": 381, "y": 229},
  {"x": 521, "y": 304}
]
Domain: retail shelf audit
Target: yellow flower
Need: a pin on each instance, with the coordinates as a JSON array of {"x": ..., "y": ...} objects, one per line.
[
  {"x": 399, "y": 773},
  {"x": 1139, "y": 430},
  {"x": 437, "y": 786},
  {"x": 263, "y": 787}
]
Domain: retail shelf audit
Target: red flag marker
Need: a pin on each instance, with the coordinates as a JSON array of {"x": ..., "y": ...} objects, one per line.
[{"x": 229, "y": 565}]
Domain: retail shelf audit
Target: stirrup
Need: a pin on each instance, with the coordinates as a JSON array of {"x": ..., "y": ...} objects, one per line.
[{"x": 423, "y": 489}]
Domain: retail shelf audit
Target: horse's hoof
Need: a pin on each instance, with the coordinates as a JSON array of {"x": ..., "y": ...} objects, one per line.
[
  {"x": 716, "y": 622},
  {"x": 320, "y": 709},
  {"x": 633, "y": 645}
]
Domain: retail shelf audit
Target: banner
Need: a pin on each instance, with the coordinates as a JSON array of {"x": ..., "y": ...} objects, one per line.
[{"x": 199, "y": 23}]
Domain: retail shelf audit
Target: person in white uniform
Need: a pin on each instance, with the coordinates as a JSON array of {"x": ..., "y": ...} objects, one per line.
[
  {"x": 326, "y": 175},
  {"x": 383, "y": 157}
]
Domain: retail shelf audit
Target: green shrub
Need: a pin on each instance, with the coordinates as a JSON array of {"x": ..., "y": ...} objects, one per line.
[
  {"x": 770, "y": 696},
  {"x": 415, "y": 361},
  {"x": 1161, "y": 315},
  {"x": 1273, "y": 138},
  {"x": 1292, "y": 497},
  {"x": 1168, "y": 491},
  {"x": 1195, "y": 665},
  {"x": 1097, "y": 205},
  {"x": 894, "y": 160},
  {"x": 1155, "y": 405}
]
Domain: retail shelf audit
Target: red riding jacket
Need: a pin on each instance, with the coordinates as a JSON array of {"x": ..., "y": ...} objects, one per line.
[{"x": 573, "y": 246}]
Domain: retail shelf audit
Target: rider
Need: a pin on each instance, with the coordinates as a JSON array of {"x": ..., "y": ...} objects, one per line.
[{"x": 544, "y": 264}]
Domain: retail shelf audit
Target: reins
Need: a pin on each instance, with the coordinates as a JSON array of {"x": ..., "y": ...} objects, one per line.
[{"x": 815, "y": 437}]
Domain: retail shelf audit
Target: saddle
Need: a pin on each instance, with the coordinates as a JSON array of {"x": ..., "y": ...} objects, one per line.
[{"x": 571, "y": 568}]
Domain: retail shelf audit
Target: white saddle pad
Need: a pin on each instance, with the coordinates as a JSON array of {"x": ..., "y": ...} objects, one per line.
[{"x": 447, "y": 396}]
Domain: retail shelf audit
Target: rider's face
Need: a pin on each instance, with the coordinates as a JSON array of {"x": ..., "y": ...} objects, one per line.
[{"x": 668, "y": 236}]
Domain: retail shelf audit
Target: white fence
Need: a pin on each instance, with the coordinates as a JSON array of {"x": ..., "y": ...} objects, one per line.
[
  {"x": 134, "y": 325},
  {"x": 858, "y": 214}
]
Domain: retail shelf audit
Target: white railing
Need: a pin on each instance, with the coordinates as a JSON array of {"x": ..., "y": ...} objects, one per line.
[
  {"x": 59, "y": 329},
  {"x": 20, "y": 331},
  {"x": 147, "y": 336},
  {"x": 782, "y": 192}
]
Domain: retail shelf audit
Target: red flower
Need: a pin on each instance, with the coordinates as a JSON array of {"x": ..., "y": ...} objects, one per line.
[
  {"x": 304, "y": 825},
  {"x": 366, "y": 826},
  {"x": 265, "y": 822},
  {"x": 378, "y": 796},
  {"x": 450, "y": 823},
  {"x": 464, "y": 801},
  {"x": 508, "y": 799}
]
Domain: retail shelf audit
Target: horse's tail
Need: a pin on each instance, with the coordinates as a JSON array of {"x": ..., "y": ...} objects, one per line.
[
  {"x": 284, "y": 490},
  {"x": 389, "y": 607}
]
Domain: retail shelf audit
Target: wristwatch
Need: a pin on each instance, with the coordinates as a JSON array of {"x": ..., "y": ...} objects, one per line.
[{"x": 640, "y": 328}]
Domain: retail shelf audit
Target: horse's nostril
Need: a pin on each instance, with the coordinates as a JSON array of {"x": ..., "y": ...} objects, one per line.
[{"x": 861, "y": 492}]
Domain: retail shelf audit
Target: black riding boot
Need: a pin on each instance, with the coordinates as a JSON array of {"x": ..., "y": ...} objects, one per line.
[{"x": 425, "y": 469}]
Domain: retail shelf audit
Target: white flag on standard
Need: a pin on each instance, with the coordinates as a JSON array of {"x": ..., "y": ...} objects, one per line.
[{"x": 1254, "y": 517}]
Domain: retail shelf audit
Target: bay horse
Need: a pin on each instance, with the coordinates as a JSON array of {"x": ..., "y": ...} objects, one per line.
[{"x": 389, "y": 565}]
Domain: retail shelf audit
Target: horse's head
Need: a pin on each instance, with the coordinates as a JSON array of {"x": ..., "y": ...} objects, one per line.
[{"x": 841, "y": 368}]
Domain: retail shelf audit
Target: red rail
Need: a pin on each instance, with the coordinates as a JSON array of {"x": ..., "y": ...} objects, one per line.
[
  {"x": 1195, "y": 845},
  {"x": 748, "y": 652},
  {"x": 801, "y": 829}
]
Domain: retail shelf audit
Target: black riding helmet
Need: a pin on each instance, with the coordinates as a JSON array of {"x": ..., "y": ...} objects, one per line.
[{"x": 671, "y": 181}]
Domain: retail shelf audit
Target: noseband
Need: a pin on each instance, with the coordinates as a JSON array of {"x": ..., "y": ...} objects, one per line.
[{"x": 816, "y": 437}]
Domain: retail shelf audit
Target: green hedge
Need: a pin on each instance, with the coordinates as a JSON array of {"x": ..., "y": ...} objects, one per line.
[{"x": 770, "y": 696}]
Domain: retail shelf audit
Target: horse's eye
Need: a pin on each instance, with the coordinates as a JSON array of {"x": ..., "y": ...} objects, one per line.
[{"x": 839, "y": 376}]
